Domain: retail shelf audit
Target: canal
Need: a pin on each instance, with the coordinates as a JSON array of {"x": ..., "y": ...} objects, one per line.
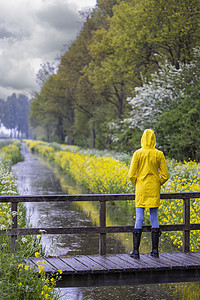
[{"x": 36, "y": 176}]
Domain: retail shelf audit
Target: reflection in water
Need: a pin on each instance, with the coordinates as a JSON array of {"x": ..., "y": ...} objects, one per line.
[{"x": 35, "y": 176}]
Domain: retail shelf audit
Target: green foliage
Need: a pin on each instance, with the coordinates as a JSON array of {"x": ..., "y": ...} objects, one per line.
[
  {"x": 17, "y": 279},
  {"x": 179, "y": 128},
  {"x": 120, "y": 44},
  {"x": 169, "y": 103}
]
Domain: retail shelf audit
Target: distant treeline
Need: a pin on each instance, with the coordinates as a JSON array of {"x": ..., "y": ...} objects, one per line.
[
  {"x": 135, "y": 64},
  {"x": 14, "y": 114}
]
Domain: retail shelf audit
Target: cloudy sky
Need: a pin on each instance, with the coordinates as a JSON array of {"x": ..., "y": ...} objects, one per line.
[{"x": 33, "y": 32}]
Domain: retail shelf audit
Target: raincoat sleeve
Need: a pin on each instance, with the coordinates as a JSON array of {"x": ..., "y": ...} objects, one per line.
[
  {"x": 163, "y": 170},
  {"x": 133, "y": 169}
]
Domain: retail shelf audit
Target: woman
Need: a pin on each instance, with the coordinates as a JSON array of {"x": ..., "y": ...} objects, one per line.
[{"x": 148, "y": 171}]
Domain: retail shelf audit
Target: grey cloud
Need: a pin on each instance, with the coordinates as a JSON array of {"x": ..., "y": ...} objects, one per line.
[
  {"x": 60, "y": 16},
  {"x": 33, "y": 36},
  {"x": 4, "y": 33},
  {"x": 17, "y": 74},
  {"x": 13, "y": 36}
]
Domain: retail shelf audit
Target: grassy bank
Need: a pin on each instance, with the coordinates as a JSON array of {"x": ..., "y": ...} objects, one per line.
[
  {"x": 101, "y": 173},
  {"x": 17, "y": 280}
]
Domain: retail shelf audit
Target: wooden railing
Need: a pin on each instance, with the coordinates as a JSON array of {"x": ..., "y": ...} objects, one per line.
[{"x": 102, "y": 229}]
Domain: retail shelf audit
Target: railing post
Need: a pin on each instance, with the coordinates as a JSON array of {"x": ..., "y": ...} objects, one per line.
[
  {"x": 186, "y": 221},
  {"x": 13, "y": 238},
  {"x": 102, "y": 223}
]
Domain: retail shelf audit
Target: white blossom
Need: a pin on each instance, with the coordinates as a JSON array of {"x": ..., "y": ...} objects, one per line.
[
  {"x": 24, "y": 240},
  {"x": 165, "y": 90}
]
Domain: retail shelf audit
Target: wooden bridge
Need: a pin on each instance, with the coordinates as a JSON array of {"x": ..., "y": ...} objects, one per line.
[{"x": 118, "y": 269}]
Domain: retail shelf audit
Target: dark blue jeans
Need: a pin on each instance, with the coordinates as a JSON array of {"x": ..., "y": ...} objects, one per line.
[{"x": 140, "y": 217}]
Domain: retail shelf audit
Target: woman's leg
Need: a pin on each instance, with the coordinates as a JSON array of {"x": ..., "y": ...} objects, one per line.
[
  {"x": 155, "y": 231},
  {"x": 154, "y": 217},
  {"x": 137, "y": 232},
  {"x": 139, "y": 217}
]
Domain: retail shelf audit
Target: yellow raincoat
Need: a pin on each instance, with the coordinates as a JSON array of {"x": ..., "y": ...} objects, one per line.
[{"x": 148, "y": 171}]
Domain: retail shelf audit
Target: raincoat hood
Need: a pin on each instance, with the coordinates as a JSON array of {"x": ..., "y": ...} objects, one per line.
[{"x": 148, "y": 139}]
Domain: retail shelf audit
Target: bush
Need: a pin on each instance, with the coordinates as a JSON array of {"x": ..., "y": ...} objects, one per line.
[{"x": 17, "y": 279}]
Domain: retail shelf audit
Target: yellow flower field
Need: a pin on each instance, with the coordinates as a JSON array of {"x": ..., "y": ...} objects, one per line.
[{"x": 108, "y": 175}]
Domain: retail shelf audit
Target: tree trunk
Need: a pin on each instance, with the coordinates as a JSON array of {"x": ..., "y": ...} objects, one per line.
[
  {"x": 121, "y": 99},
  {"x": 60, "y": 129},
  {"x": 93, "y": 137},
  {"x": 71, "y": 138}
]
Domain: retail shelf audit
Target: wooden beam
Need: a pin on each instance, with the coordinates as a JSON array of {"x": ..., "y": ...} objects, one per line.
[
  {"x": 186, "y": 221},
  {"x": 102, "y": 225},
  {"x": 91, "y": 230},
  {"x": 129, "y": 278},
  {"x": 91, "y": 197},
  {"x": 13, "y": 237}
]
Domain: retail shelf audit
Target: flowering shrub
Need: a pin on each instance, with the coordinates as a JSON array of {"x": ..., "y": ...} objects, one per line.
[
  {"x": 19, "y": 281},
  {"x": 11, "y": 153}
]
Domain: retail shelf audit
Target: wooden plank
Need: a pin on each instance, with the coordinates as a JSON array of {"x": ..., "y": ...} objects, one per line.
[
  {"x": 178, "y": 257},
  {"x": 135, "y": 262},
  {"x": 153, "y": 262},
  {"x": 31, "y": 264},
  {"x": 126, "y": 265},
  {"x": 106, "y": 263},
  {"x": 173, "y": 259},
  {"x": 93, "y": 265},
  {"x": 58, "y": 264},
  {"x": 172, "y": 264},
  {"x": 186, "y": 258},
  {"x": 195, "y": 255},
  {"x": 76, "y": 265},
  {"x": 43, "y": 262}
]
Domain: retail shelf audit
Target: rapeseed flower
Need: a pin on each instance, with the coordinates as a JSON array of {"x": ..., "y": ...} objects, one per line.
[{"x": 108, "y": 175}]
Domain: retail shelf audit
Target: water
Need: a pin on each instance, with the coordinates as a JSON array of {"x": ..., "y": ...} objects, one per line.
[{"x": 35, "y": 176}]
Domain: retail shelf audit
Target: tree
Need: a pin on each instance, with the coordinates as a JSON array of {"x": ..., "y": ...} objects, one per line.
[
  {"x": 179, "y": 128},
  {"x": 48, "y": 109},
  {"x": 170, "y": 103},
  {"x": 141, "y": 35},
  {"x": 152, "y": 99},
  {"x": 79, "y": 91},
  {"x": 120, "y": 44},
  {"x": 23, "y": 109},
  {"x": 47, "y": 69},
  {"x": 14, "y": 114}
]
